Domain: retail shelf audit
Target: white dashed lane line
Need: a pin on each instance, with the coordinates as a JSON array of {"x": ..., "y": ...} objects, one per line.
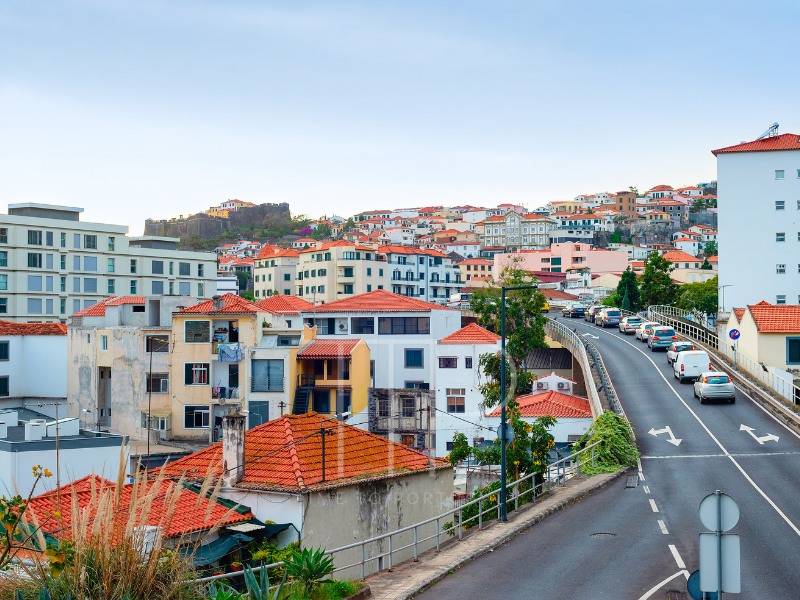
[
  {"x": 676, "y": 555},
  {"x": 663, "y": 527},
  {"x": 653, "y": 505}
]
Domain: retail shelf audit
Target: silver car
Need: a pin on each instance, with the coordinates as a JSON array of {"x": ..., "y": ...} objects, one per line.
[
  {"x": 644, "y": 330},
  {"x": 661, "y": 337},
  {"x": 629, "y": 324},
  {"x": 678, "y": 347},
  {"x": 608, "y": 317},
  {"x": 713, "y": 384}
]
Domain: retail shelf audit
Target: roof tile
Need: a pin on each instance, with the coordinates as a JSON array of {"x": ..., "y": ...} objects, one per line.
[
  {"x": 231, "y": 304},
  {"x": 287, "y": 305},
  {"x": 786, "y": 141},
  {"x": 379, "y": 301},
  {"x": 341, "y": 348},
  {"x": 11, "y": 328},
  {"x": 776, "y": 318},
  {"x": 552, "y": 404},
  {"x": 471, "y": 334}
]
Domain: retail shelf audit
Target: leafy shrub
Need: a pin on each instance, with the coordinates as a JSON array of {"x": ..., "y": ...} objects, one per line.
[{"x": 616, "y": 449}]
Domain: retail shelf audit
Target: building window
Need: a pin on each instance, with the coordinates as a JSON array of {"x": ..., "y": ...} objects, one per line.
[
  {"x": 63, "y": 284},
  {"x": 158, "y": 383},
  {"x": 468, "y": 362},
  {"x": 157, "y": 267},
  {"x": 448, "y": 362},
  {"x": 170, "y": 267},
  {"x": 110, "y": 265},
  {"x": 76, "y": 240},
  {"x": 195, "y": 374},
  {"x": 407, "y": 440},
  {"x": 197, "y": 332},
  {"x": 63, "y": 240},
  {"x": 90, "y": 242},
  {"x": 455, "y": 400},
  {"x": 403, "y": 325},
  {"x": 156, "y": 343},
  {"x": 384, "y": 408},
  {"x": 414, "y": 358},
  {"x": 133, "y": 287},
  {"x": 133, "y": 266},
  {"x": 34, "y": 306},
  {"x": 200, "y": 290},
  {"x": 158, "y": 288},
  {"x": 4, "y": 347},
  {"x": 63, "y": 306},
  {"x": 200, "y": 270},
  {"x": 34, "y": 260},
  {"x": 779, "y": 174},
  {"x": 267, "y": 375},
  {"x": 103, "y": 342},
  {"x": 89, "y": 285},
  {"x": 3, "y": 258},
  {"x": 4, "y": 282},
  {"x": 184, "y": 269},
  {"x": 780, "y": 299},
  {"x": 780, "y": 205},
  {"x": 348, "y": 288},
  {"x": 195, "y": 417},
  {"x": 3, "y": 235},
  {"x": 287, "y": 277},
  {"x": 3, "y": 305},
  {"x": 110, "y": 286},
  {"x": 363, "y": 325},
  {"x": 780, "y": 237},
  {"x": 409, "y": 406},
  {"x": 321, "y": 401},
  {"x": 34, "y": 237},
  {"x": 4, "y": 386},
  {"x": 792, "y": 351},
  {"x": 780, "y": 269},
  {"x": 449, "y": 446},
  {"x": 76, "y": 284},
  {"x": 111, "y": 244}
]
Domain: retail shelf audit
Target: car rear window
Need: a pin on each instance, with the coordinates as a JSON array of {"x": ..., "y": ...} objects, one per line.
[
  {"x": 666, "y": 332},
  {"x": 717, "y": 379},
  {"x": 613, "y": 313},
  {"x": 682, "y": 347}
]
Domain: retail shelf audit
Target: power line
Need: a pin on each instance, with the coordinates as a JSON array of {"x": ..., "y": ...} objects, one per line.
[{"x": 465, "y": 421}]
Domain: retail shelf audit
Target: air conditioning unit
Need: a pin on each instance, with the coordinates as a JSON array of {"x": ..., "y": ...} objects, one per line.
[
  {"x": 562, "y": 385},
  {"x": 342, "y": 326},
  {"x": 541, "y": 385}
]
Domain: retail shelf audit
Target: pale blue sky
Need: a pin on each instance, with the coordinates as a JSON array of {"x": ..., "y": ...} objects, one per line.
[{"x": 153, "y": 109}]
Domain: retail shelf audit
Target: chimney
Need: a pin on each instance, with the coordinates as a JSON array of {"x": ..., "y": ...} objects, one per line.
[
  {"x": 216, "y": 302},
  {"x": 233, "y": 428}
]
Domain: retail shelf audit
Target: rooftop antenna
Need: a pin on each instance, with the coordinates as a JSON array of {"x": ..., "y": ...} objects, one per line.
[{"x": 769, "y": 133}]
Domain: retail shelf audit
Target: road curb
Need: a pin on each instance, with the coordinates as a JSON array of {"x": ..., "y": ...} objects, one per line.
[{"x": 508, "y": 535}]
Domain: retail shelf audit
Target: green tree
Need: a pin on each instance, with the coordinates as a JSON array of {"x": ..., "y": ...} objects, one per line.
[
  {"x": 702, "y": 296},
  {"x": 616, "y": 237},
  {"x": 697, "y": 205},
  {"x": 248, "y": 295},
  {"x": 243, "y": 277},
  {"x": 626, "y": 301},
  {"x": 634, "y": 189},
  {"x": 711, "y": 249},
  {"x": 524, "y": 319},
  {"x": 321, "y": 232},
  {"x": 628, "y": 287},
  {"x": 706, "y": 265},
  {"x": 656, "y": 283}
]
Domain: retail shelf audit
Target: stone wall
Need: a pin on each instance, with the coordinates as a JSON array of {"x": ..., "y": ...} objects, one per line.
[{"x": 208, "y": 227}]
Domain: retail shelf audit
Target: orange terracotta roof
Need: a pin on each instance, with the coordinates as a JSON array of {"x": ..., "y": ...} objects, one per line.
[
  {"x": 328, "y": 349},
  {"x": 389, "y": 249},
  {"x": 680, "y": 256},
  {"x": 99, "y": 309},
  {"x": 475, "y": 261},
  {"x": 776, "y": 318},
  {"x": 335, "y": 244},
  {"x": 558, "y": 295},
  {"x": 287, "y": 305},
  {"x": 786, "y": 141},
  {"x": 11, "y": 328},
  {"x": 379, "y": 300},
  {"x": 552, "y": 404},
  {"x": 281, "y": 458},
  {"x": 739, "y": 313},
  {"x": 231, "y": 305},
  {"x": 471, "y": 334},
  {"x": 685, "y": 239},
  {"x": 267, "y": 251},
  {"x": 190, "y": 514},
  {"x": 713, "y": 259}
]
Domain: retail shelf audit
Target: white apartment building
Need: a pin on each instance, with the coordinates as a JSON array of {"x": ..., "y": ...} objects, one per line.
[
  {"x": 275, "y": 272},
  {"x": 458, "y": 379},
  {"x": 53, "y": 265},
  {"x": 513, "y": 231},
  {"x": 759, "y": 220},
  {"x": 334, "y": 270},
  {"x": 421, "y": 273},
  {"x": 402, "y": 334}
]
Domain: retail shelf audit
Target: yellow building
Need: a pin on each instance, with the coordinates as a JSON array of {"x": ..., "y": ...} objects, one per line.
[
  {"x": 275, "y": 272},
  {"x": 475, "y": 267},
  {"x": 216, "y": 211}
]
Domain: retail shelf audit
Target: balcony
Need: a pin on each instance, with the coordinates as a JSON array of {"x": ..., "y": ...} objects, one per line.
[
  {"x": 266, "y": 383},
  {"x": 342, "y": 277}
]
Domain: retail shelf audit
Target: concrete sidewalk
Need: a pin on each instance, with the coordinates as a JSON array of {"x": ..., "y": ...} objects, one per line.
[{"x": 409, "y": 578}]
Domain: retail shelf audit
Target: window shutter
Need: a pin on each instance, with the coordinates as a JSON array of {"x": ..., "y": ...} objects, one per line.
[{"x": 187, "y": 373}]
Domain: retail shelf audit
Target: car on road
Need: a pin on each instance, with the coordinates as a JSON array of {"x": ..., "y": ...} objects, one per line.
[
  {"x": 644, "y": 330},
  {"x": 714, "y": 384},
  {"x": 608, "y": 317},
  {"x": 677, "y": 347},
  {"x": 690, "y": 365},
  {"x": 546, "y": 307},
  {"x": 629, "y": 324},
  {"x": 576, "y": 310},
  {"x": 461, "y": 300},
  {"x": 592, "y": 312},
  {"x": 661, "y": 337}
]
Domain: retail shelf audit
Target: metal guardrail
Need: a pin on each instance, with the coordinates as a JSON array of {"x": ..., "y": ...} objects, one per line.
[
  {"x": 562, "y": 472},
  {"x": 678, "y": 322}
]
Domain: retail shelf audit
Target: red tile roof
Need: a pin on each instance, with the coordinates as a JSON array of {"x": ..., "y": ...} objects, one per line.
[
  {"x": 268, "y": 251},
  {"x": 786, "y": 141},
  {"x": 739, "y": 313},
  {"x": 329, "y": 349},
  {"x": 99, "y": 309},
  {"x": 11, "y": 328},
  {"x": 776, "y": 318},
  {"x": 379, "y": 301},
  {"x": 231, "y": 305},
  {"x": 552, "y": 404},
  {"x": 189, "y": 515},
  {"x": 558, "y": 295},
  {"x": 471, "y": 334},
  {"x": 680, "y": 256},
  {"x": 281, "y": 458},
  {"x": 335, "y": 244},
  {"x": 286, "y": 305}
]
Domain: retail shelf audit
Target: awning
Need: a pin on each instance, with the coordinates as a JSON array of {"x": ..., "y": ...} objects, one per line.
[
  {"x": 159, "y": 412},
  {"x": 211, "y": 553}
]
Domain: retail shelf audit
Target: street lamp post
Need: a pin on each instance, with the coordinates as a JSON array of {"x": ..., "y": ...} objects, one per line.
[{"x": 503, "y": 491}]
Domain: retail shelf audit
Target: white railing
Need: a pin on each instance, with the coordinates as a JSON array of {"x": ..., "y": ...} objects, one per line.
[{"x": 681, "y": 325}]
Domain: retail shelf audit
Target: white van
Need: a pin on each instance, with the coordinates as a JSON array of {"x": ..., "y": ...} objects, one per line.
[
  {"x": 690, "y": 365},
  {"x": 461, "y": 300}
]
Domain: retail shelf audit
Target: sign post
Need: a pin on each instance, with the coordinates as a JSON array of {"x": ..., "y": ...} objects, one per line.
[
  {"x": 719, "y": 551},
  {"x": 734, "y": 335}
]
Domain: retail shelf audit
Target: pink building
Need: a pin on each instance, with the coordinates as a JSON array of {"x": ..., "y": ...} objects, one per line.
[{"x": 561, "y": 257}]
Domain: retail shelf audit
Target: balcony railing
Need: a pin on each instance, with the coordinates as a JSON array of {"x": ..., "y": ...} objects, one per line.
[
  {"x": 266, "y": 383},
  {"x": 306, "y": 380}
]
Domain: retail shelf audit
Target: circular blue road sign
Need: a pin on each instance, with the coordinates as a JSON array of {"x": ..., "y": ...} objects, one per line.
[
  {"x": 693, "y": 587},
  {"x": 734, "y": 334}
]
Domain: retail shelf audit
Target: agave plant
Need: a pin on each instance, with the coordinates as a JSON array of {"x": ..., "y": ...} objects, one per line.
[
  {"x": 258, "y": 589},
  {"x": 310, "y": 567},
  {"x": 223, "y": 592}
]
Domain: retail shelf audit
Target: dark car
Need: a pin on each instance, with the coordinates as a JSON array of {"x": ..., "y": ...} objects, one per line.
[
  {"x": 592, "y": 311},
  {"x": 574, "y": 311}
]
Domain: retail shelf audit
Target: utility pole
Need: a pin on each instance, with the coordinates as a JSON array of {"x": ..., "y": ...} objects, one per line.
[
  {"x": 149, "y": 399},
  {"x": 282, "y": 405}
]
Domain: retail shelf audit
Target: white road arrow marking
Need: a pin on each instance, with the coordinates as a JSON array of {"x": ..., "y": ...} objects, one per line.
[
  {"x": 672, "y": 439},
  {"x": 597, "y": 337},
  {"x": 762, "y": 439}
]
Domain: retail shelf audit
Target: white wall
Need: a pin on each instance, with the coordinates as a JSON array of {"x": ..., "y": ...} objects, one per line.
[
  {"x": 37, "y": 366},
  {"x": 748, "y": 222}
]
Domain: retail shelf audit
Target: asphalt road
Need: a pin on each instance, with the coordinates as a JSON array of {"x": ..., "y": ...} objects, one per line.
[{"x": 655, "y": 525}]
